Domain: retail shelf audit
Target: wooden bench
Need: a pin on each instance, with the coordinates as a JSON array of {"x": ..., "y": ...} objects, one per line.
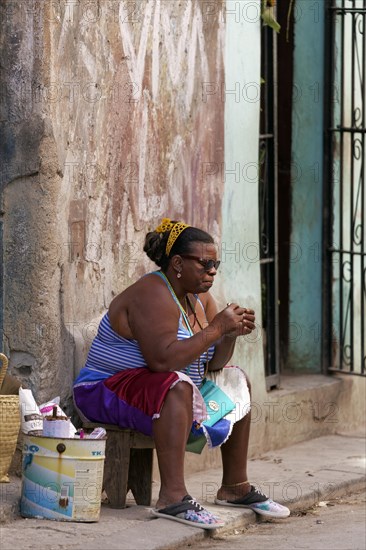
[{"x": 128, "y": 465}]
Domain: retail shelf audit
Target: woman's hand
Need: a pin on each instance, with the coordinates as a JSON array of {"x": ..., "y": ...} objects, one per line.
[
  {"x": 231, "y": 322},
  {"x": 248, "y": 322},
  {"x": 234, "y": 320}
]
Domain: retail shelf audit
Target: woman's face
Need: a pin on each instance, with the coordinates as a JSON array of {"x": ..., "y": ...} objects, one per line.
[{"x": 199, "y": 267}]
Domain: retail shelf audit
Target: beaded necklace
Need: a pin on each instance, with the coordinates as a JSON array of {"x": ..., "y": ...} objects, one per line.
[{"x": 188, "y": 324}]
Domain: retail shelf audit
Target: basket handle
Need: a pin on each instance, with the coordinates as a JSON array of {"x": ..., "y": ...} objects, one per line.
[{"x": 4, "y": 367}]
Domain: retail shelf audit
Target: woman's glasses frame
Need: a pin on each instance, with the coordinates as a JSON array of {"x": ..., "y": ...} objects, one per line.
[{"x": 206, "y": 264}]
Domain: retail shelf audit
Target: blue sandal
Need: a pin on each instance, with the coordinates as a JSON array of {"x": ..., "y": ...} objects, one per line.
[{"x": 190, "y": 512}]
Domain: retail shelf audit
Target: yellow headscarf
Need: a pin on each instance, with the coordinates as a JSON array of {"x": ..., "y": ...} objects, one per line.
[{"x": 175, "y": 228}]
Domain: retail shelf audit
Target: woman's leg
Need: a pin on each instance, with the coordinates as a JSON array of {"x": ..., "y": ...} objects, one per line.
[
  {"x": 234, "y": 455},
  {"x": 171, "y": 432}
]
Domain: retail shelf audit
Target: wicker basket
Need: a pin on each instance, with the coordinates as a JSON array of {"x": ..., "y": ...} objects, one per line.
[{"x": 9, "y": 425}]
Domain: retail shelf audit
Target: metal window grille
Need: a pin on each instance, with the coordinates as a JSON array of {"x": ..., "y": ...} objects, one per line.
[
  {"x": 345, "y": 265},
  {"x": 268, "y": 208}
]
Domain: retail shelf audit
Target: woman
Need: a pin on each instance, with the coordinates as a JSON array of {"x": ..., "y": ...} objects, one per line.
[{"x": 156, "y": 344}]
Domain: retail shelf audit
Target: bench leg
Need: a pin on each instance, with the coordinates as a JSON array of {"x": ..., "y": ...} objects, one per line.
[
  {"x": 140, "y": 475},
  {"x": 116, "y": 468}
]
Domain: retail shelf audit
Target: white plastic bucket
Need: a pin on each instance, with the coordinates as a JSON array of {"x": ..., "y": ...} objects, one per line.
[{"x": 62, "y": 478}]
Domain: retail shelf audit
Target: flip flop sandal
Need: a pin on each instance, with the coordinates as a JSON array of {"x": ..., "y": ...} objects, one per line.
[
  {"x": 259, "y": 503},
  {"x": 190, "y": 512}
]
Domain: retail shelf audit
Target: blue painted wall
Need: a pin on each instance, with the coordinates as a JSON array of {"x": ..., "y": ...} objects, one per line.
[{"x": 307, "y": 157}]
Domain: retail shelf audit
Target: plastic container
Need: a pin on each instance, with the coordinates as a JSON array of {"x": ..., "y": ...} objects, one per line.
[
  {"x": 56, "y": 428},
  {"x": 62, "y": 478}
]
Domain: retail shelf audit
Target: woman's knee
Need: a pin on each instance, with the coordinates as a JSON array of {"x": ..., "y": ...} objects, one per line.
[
  {"x": 182, "y": 391},
  {"x": 178, "y": 402}
]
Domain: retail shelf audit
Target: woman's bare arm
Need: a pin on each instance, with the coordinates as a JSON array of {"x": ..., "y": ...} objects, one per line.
[{"x": 153, "y": 319}]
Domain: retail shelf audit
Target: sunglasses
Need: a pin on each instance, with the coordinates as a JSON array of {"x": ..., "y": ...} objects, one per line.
[{"x": 206, "y": 264}]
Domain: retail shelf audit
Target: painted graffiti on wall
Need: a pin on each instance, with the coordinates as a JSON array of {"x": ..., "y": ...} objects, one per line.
[
  {"x": 181, "y": 56},
  {"x": 172, "y": 132},
  {"x": 130, "y": 92},
  {"x": 151, "y": 133}
]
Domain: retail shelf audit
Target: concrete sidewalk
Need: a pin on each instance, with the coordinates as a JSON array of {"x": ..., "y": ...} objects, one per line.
[{"x": 298, "y": 476}]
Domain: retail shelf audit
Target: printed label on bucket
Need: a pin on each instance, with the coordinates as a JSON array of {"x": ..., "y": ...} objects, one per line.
[{"x": 63, "y": 486}]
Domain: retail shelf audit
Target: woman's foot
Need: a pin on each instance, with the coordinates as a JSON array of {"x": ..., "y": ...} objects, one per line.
[
  {"x": 171, "y": 495},
  {"x": 233, "y": 492},
  {"x": 189, "y": 511},
  {"x": 256, "y": 501}
]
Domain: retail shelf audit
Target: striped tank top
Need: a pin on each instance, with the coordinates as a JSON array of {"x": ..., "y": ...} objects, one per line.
[{"x": 110, "y": 353}]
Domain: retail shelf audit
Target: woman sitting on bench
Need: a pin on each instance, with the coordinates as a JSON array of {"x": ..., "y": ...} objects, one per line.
[{"x": 160, "y": 340}]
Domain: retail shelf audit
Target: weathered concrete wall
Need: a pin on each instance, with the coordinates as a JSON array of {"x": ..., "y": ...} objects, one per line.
[
  {"x": 240, "y": 249},
  {"x": 30, "y": 184},
  {"x": 108, "y": 128}
]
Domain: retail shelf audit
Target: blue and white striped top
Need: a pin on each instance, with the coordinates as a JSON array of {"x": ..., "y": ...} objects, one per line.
[{"x": 110, "y": 353}]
